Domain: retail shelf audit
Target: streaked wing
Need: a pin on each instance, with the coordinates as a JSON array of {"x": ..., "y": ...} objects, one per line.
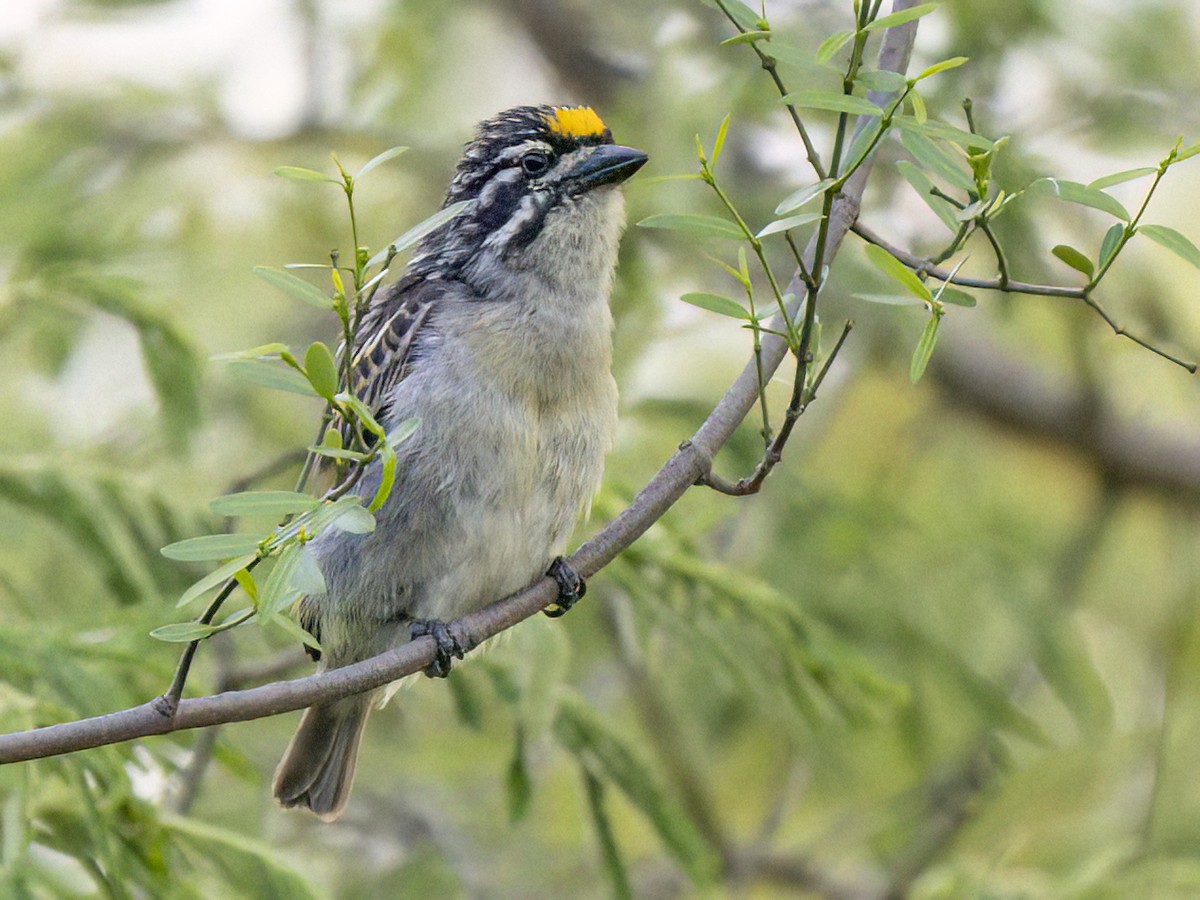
[{"x": 383, "y": 353}]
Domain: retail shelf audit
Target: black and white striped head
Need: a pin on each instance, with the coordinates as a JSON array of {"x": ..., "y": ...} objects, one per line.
[{"x": 527, "y": 169}]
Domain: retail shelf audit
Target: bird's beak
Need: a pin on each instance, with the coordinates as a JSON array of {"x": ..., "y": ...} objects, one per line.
[{"x": 607, "y": 164}]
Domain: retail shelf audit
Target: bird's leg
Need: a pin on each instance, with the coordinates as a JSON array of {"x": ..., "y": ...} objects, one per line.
[
  {"x": 571, "y": 587},
  {"x": 448, "y": 646}
]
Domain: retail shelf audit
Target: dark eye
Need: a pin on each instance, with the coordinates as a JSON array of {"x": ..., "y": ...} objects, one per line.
[{"x": 535, "y": 163}]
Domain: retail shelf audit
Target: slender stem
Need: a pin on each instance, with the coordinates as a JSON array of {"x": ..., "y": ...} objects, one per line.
[{"x": 769, "y": 64}]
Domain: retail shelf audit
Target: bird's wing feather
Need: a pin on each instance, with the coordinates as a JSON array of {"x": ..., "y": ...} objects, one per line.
[{"x": 383, "y": 350}]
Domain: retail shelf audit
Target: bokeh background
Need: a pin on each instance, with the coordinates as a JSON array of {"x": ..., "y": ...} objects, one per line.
[{"x": 952, "y": 650}]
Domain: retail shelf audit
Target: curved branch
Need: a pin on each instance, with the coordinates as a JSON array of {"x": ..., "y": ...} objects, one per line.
[{"x": 680, "y": 472}]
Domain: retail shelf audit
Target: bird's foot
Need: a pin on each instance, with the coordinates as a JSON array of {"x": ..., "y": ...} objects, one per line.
[
  {"x": 571, "y": 587},
  {"x": 448, "y": 645}
]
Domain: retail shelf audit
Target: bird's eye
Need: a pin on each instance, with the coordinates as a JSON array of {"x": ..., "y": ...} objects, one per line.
[{"x": 535, "y": 163}]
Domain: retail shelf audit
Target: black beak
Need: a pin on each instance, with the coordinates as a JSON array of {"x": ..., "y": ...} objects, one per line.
[{"x": 607, "y": 164}]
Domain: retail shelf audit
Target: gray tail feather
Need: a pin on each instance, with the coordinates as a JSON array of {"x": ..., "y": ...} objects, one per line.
[{"x": 317, "y": 768}]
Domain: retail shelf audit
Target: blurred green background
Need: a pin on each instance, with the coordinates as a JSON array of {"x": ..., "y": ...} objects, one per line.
[{"x": 952, "y": 649}]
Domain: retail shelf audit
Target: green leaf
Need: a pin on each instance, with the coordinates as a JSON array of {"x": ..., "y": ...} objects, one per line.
[
  {"x": 321, "y": 369},
  {"x": 920, "y": 357},
  {"x": 1112, "y": 240},
  {"x": 897, "y": 271},
  {"x": 307, "y": 576},
  {"x": 299, "y": 173},
  {"x": 265, "y": 351},
  {"x": 263, "y": 503},
  {"x": 1074, "y": 192},
  {"x": 899, "y": 18},
  {"x": 722, "y": 306},
  {"x": 265, "y": 374},
  {"x": 355, "y": 520},
  {"x": 790, "y": 222},
  {"x": 590, "y": 737},
  {"x": 387, "y": 476},
  {"x": 291, "y": 630},
  {"x": 743, "y": 15},
  {"x": 924, "y": 187},
  {"x": 338, "y": 453},
  {"x": 184, "y": 632},
  {"x": 1074, "y": 259},
  {"x": 1187, "y": 153},
  {"x": 379, "y": 160},
  {"x": 943, "y": 132},
  {"x": 611, "y": 853},
  {"x": 278, "y": 592},
  {"x": 421, "y": 230},
  {"x": 747, "y": 37},
  {"x": 720, "y": 141},
  {"x": 802, "y": 196},
  {"x": 890, "y": 299},
  {"x": 832, "y": 101},
  {"x": 952, "y": 63},
  {"x": 212, "y": 546},
  {"x": 1177, "y": 243},
  {"x": 216, "y": 577},
  {"x": 1121, "y": 177},
  {"x": 517, "y": 782},
  {"x": 295, "y": 287},
  {"x": 832, "y": 44},
  {"x": 403, "y": 431},
  {"x": 695, "y": 225},
  {"x": 952, "y": 295},
  {"x": 933, "y": 159},
  {"x": 917, "y": 102},
  {"x": 885, "y": 81}
]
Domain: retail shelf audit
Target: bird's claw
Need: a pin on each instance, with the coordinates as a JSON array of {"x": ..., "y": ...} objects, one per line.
[
  {"x": 571, "y": 587},
  {"x": 448, "y": 646}
]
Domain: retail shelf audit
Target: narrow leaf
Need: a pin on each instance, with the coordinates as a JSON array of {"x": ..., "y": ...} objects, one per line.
[
  {"x": 263, "y": 503},
  {"x": 1074, "y": 192},
  {"x": 943, "y": 132},
  {"x": 935, "y": 160},
  {"x": 216, "y": 577},
  {"x": 355, "y": 520},
  {"x": 890, "y": 299},
  {"x": 720, "y": 141},
  {"x": 1121, "y": 177},
  {"x": 420, "y": 230},
  {"x": 295, "y": 287},
  {"x": 953, "y": 295},
  {"x": 379, "y": 160},
  {"x": 802, "y": 196},
  {"x": 1177, "y": 243},
  {"x": 722, "y": 306},
  {"x": 307, "y": 576},
  {"x": 286, "y": 624},
  {"x": 917, "y": 102},
  {"x": 1074, "y": 259},
  {"x": 265, "y": 351},
  {"x": 885, "y": 81},
  {"x": 212, "y": 546},
  {"x": 747, "y": 37},
  {"x": 832, "y": 44},
  {"x": 403, "y": 431},
  {"x": 264, "y": 374},
  {"x": 952, "y": 63},
  {"x": 790, "y": 222},
  {"x": 833, "y": 102},
  {"x": 184, "y": 632},
  {"x": 897, "y": 271},
  {"x": 899, "y": 18},
  {"x": 920, "y": 357},
  {"x": 924, "y": 187},
  {"x": 299, "y": 173},
  {"x": 695, "y": 225},
  {"x": 1112, "y": 240}
]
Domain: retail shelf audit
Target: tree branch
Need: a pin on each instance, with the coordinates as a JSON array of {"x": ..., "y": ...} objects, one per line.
[{"x": 692, "y": 460}]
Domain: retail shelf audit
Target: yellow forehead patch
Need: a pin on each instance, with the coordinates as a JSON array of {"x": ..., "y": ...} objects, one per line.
[{"x": 575, "y": 122}]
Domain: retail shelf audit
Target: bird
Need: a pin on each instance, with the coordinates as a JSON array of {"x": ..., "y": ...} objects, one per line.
[{"x": 497, "y": 337}]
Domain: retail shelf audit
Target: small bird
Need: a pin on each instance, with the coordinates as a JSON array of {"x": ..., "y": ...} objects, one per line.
[{"x": 498, "y": 338}]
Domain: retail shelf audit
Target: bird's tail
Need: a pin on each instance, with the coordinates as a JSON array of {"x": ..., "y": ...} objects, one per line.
[{"x": 317, "y": 768}]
